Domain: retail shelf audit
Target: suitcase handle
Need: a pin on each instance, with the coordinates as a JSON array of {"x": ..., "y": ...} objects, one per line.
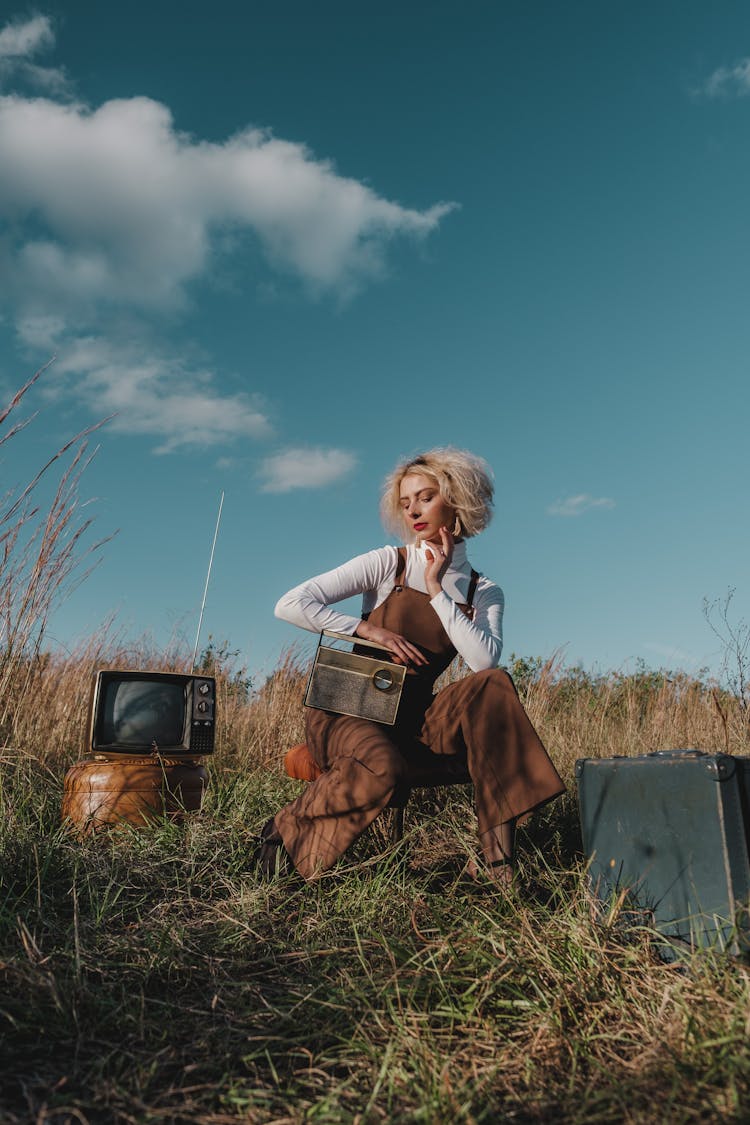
[{"x": 677, "y": 754}]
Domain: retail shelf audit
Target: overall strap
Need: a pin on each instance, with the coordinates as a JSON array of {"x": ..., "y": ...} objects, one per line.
[
  {"x": 472, "y": 587},
  {"x": 398, "y": 577}
]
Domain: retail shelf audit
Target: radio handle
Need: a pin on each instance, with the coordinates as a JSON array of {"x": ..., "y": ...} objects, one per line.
[{"x": 354, "y": 640}]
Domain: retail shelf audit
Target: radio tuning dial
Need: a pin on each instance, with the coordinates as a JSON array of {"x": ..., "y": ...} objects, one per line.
[{"x": 383, "y": 679}]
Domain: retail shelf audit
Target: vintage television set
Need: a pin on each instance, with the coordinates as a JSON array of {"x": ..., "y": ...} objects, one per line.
[{"x": 138, "y": 712}]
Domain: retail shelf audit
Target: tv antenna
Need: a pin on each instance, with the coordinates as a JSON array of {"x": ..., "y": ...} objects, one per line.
[{"x": 208, "y": 579}]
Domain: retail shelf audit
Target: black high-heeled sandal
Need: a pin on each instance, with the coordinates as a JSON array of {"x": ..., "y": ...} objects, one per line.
[
  {"x": 506, "y": 862},
  {"x": 270, "y": 856}
]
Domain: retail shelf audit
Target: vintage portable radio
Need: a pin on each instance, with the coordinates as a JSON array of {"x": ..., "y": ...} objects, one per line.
[{"x": 351, "y": 684}]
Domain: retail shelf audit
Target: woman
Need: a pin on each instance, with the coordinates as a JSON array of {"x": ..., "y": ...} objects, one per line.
[{"x": 423, "y": 604}]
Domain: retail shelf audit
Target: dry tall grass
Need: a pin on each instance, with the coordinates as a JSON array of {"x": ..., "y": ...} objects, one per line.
[
  {"x": 44, "y": 552},
  {"x": 577, "y": 715}
]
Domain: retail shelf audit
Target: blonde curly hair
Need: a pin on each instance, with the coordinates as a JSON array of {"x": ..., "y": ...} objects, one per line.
[{"x": 463, "y": 479}]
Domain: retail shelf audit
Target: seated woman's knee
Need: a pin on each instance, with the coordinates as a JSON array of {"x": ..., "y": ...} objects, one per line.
[{"x": 496, "y": 677}]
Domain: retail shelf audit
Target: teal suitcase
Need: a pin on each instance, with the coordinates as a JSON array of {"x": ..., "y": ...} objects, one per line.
[{"x": 668, "y": 832}]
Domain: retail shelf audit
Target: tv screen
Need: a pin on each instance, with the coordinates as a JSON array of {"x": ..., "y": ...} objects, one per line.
[{"x": 138, "y": 712}]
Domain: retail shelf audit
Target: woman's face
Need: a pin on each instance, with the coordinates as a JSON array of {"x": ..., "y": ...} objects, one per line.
[{"x": 424, "y": 509}]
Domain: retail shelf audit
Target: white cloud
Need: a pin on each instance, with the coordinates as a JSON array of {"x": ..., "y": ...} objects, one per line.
[
  {"x": 19, "y": 40},
  {"x": 729, "y": 81},
  {"x": 305, "y": 468},
  {"x": 157, "y": 396},
  {"x": 577, "y": 505},
  {"x": 40, "y": 331},
  {"x": 115, "y": 205},
  {"x": 109, "y": 214}
]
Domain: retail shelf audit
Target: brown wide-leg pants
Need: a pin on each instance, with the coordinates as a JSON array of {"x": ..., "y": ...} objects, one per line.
[{"x": 479, "y": 717}]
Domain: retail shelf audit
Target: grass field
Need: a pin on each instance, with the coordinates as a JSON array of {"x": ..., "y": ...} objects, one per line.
[{"x": 149, "y": 976}]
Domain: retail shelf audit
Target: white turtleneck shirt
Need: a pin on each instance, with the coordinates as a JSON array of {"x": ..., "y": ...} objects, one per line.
[{"x": 478, "y": 639}]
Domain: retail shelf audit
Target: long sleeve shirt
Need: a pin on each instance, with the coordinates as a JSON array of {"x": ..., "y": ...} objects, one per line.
[{"x": 478, "y": 639}]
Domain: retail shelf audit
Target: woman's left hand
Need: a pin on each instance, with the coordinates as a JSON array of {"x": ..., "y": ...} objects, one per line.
[{"x": 438, "y": 561}]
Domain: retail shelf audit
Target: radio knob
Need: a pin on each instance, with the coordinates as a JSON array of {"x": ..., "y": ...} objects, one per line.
[{"x": 383, "y": 679}]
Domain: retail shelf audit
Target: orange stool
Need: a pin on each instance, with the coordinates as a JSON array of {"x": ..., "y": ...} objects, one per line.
[{"x": 300, "y": 764}]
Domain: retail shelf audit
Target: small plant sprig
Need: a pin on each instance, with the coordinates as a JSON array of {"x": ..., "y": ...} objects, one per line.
[{"x": 734, "y": 635}]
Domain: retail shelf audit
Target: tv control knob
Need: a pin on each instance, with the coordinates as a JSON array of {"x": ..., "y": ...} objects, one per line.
[
  {"x": 202, "y": 706},
  {"x": 204, "y": 689}
]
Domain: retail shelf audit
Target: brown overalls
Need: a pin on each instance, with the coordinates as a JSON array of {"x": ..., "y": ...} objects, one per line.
[{"x": 479, "y": 717}]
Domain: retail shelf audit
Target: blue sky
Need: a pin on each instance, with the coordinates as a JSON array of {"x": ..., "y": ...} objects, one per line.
[{"x": 290, "y": 243}]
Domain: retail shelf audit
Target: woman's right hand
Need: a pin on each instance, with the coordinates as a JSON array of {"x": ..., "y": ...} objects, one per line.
[{"x": 402, "y": 651}]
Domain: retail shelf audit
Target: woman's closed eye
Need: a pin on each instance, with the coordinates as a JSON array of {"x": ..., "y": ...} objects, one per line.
[{"x": 423, "y": 498}]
